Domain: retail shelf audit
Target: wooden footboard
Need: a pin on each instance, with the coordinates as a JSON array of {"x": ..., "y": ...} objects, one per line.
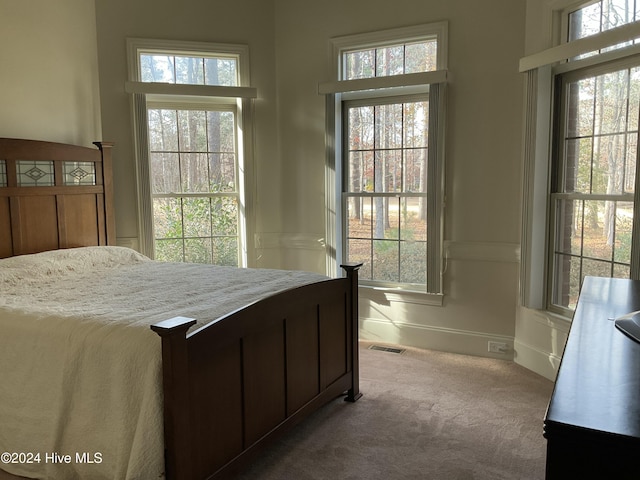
[{"x": 238, "y": 383}]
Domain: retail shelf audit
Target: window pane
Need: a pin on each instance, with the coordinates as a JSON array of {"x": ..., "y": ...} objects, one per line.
[
  {"x": 578, "y": 153},
  {"x": 569, "y": 226},
  {"x": 413, "y": 223},
  {"x": 167, "y": 215},
  {"x": 361, "y": 131},
  {"x": 360, "y": 64},
  {"x": 388, "y": 126},
  {"x": 224, "y": 211},
  {"x": 165, "y": 172},
  {"x": 612, "y": 96},
  {"x": 413, "y": 263},
  {"x": 416, "y": 118},
  {"x": 189, "y": 70},
  {"x": 380, "y": 217},
  {"x": 163, "y": 130},
  {"x": 157, "y": 68},
  {"x": 581, "y": 98},
  {"x": 629, "y": 182},
  {"x": 169, "y": 250},
  {"x": 623, "y": 232},
  {"x": 567, "y": 280},
  {"x": 221, "y": 71},
  {"x": 222, "y": 170},
  {"x": 197, "y": 250},
  {"x": 386, "y": 257},
  {"x": 196, "y": 217},
  {"x": 360, "y": 251},
  {"x": 192, "y": 126},
  {"x": 585, "y": 21},
  {"x": 421, "y": 57},
  {"x": 598, "y": 229},
  {"x": 194, "y": 171},
  {"x": 225, "y": 251},
  {"x": 360, "y": 172},
  {"x": 392, "y": 170},
  {"x": 389, "y": 61}
]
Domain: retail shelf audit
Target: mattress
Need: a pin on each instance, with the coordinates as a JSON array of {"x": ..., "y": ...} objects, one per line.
[{"x": 80, "y": 381}]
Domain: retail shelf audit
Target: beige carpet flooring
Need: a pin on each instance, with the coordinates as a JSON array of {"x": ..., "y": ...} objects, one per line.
[{"x": 424, "y": 415}]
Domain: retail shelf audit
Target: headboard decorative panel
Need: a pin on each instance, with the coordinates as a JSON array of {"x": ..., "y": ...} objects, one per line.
[{"x": 54, "y": 195}]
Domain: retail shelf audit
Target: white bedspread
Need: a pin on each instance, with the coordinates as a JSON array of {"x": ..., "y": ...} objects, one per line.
[{"x": 80, "y": 369}]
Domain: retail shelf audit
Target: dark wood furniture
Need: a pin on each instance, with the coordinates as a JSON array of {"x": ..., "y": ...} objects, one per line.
[
  {"x": 231, "y": 387},
  {"x": 592, "y": 424},
  {"x": 52, "y": 212}
]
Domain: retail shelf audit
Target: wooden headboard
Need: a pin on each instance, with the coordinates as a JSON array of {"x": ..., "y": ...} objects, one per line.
[{"x": 54, "y": 195}]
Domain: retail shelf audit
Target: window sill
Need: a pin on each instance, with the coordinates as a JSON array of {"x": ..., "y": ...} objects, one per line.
[{"x": 407, "y": 296}]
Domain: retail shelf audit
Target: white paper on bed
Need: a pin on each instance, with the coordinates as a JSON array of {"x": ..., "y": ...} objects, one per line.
[{"x": 80, "y": 369}]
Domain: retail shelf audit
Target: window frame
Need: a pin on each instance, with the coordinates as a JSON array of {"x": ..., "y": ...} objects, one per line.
[
  {"x": 543, "y": 69},
  {"x": 338, "y": 92},
  {"x": 240, "y": 98},
  {"x": 556, "y": 191}
]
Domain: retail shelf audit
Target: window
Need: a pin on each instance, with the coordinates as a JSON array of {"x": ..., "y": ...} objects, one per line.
[
  {"x": 584, "y": 169},
  {"x": 191, "y": 111},
  {"x": 194, "y": 186},
  {"x": 593, "y": 190},
  {"x": 389, "y": 108}
]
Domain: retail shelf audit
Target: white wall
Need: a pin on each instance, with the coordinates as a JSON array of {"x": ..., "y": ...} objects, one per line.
[
  {"x": 482, "y": 220},
  {"x": 540, "y": 335},
  {"x": 288, "y": 41},
  {"x": 49, "y": 87},
  {"x": 241, "y": 21}
]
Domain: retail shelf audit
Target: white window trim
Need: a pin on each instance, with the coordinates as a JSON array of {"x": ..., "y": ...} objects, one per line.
[
  {"x": 242, "y": 95},
  {"x": 338, "y": 90},
  {"x": 541, "y": 69}
]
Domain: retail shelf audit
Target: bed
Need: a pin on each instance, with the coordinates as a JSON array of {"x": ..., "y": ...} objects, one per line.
[{"x": 155, "y": 381}]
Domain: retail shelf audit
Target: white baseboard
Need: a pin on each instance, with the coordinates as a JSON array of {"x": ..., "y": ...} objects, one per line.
[
  {"x": 543, "y": 363},
  {"x": 434, "y": 338}
]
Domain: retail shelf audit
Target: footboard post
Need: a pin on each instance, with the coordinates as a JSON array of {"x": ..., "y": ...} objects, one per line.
[
  {"x": 352, "y": 276},
  {"x": 175, "y": 380}
]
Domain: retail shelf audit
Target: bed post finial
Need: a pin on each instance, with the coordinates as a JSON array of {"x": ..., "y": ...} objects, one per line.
[{"x": 352, "y": 275}]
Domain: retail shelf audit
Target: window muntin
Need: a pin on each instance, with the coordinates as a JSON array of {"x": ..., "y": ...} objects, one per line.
[
  {"x": 385, "y": 190},
  {"x": 593, "y": 194}
]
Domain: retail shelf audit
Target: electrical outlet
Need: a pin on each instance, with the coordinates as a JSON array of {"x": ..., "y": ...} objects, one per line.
[{"x": 498, "y": 347}]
